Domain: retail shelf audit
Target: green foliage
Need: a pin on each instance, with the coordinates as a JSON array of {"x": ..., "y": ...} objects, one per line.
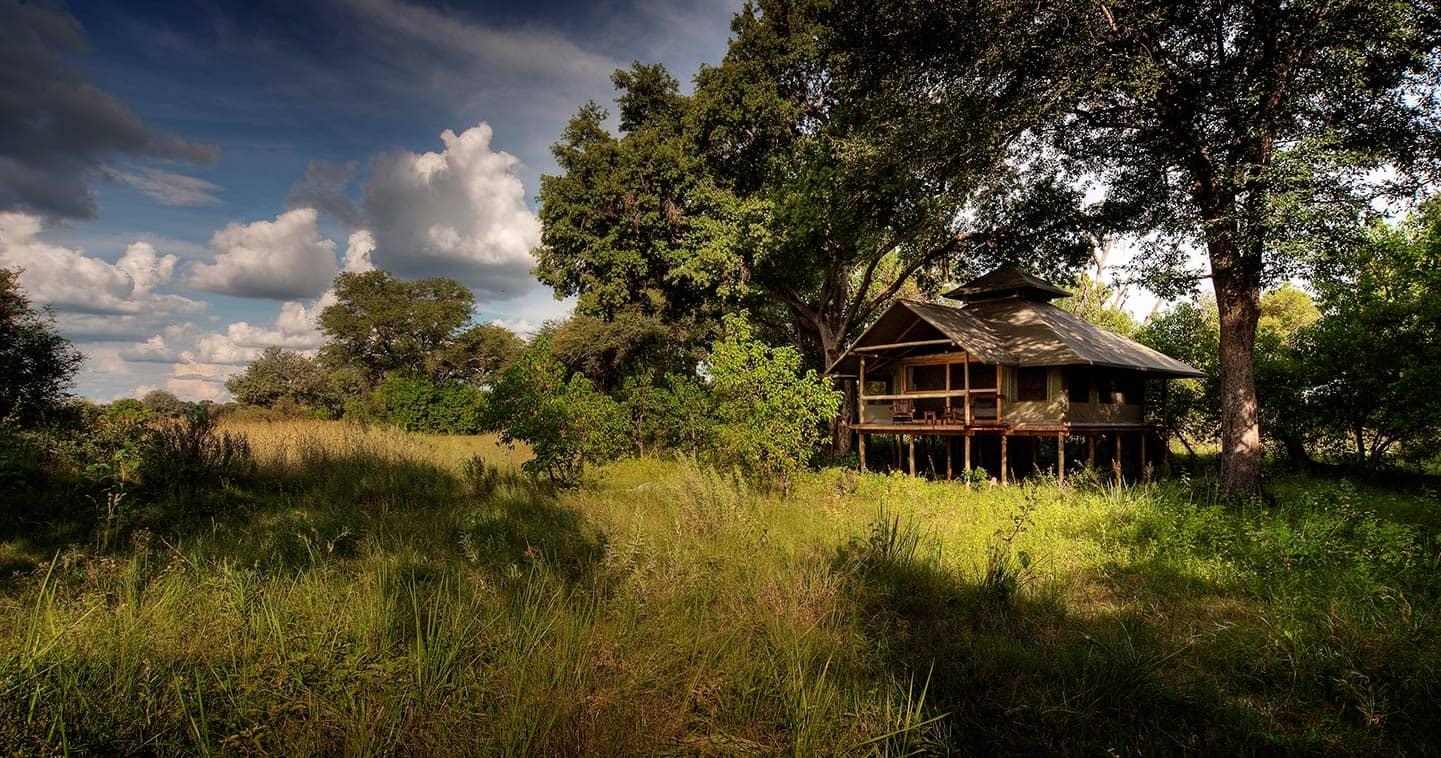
[
  {"x": 768, "y": 411},
  {"x": 163, "y": 403},
  {"x": 567, "y": 423},
  {"x": 380, "y": 324},
  {"x": 477, "y": 354},
  {"x": 628, "y": 341},
  {"x": 417, "y": 403},
  {"x": 37, "y": 365},
  {"x": 1374, "y": 356},
  {"x": 790, "y": 185},
  {"x": 1095, "y": 301},
  {"x": 277, "y": 376},
  {"x": 186, "y": 455}
]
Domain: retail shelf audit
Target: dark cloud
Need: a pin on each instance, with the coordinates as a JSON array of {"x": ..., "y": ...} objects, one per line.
[
  {"x": 323, "y": 188},
  {"x": 58, "y": 132}
]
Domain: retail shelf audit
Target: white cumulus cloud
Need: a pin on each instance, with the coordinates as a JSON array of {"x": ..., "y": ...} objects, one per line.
[
  {"x": 76, "y": 283},
  {"x": 357, "y": 252},
  {"x": 282, "y": 259},
  {"x": 460, "y": 212}
]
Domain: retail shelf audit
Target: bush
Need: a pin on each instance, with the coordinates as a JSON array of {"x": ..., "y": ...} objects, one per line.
[
  {"x": 567, "y": 423},
  {"x": 418, "y": 404},
  {"x": 770, "y": 414},
  {"x": 186, "y": 455}
]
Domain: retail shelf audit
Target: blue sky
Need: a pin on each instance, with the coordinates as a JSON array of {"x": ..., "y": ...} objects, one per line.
[{"x": 181, "y": 181}]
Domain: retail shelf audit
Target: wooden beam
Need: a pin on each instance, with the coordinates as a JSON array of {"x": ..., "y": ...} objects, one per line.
[
  {"x": 968, "y": 456},
  {"x": 948, "y": 442},
  {"x": 929, "y": 394},
  {"x": 898, "y": 345},
  {"x": 1091, "y": 451},
  {"x": 863, "y": 451},
  {"x": 911, "y": 440}
]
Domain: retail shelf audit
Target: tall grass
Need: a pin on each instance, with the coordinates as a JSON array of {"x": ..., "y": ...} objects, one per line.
[{"x": 380, "y": 592}]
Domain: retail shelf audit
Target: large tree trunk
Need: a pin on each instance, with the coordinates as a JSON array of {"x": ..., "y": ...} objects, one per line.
[
  {"x": 841, "y": 424},
  {"x": 1238, "y": 298}
]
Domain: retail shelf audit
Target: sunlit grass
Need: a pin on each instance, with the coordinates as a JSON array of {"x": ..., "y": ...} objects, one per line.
[{"x": 372, "y": 591}]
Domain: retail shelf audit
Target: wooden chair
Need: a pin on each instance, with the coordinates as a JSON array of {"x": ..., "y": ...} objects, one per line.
[{"x": 903, "y": 411}]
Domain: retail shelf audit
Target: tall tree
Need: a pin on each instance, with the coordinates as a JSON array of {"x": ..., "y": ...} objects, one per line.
[
  {"x": 380, "y": 324},
  {"x": 790, "y": 184},
  {"x": 37, "y": 365},
  {"x": 283, "y": 375},
  {"x": 1246, "y": 127}
]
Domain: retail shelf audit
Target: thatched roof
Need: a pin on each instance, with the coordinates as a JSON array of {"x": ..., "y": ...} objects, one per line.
[
  {"x": 1013, "y": 331},
  {"x": 1006, "y": 281}
]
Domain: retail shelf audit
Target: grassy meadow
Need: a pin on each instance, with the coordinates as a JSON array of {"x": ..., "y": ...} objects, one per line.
[{"x": 369, "y": 591}]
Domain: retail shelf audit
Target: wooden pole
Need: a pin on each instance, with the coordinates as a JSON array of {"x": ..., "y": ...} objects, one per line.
[
  {"x": 999, "y": 393},
  {"x": 1091, "y": 450},
  {"x": 863, "y": 452},
  {"x": 1060, "y": 458},
  {"x": 911, "y": 441},
  {"x": 1166, "y": 423},
  {"x": 967, "y": 372},
  {"x": 1116, "y": 461},
  {"x": 1145, "y": 470},
  {"x": 949, "y": 443},
  {"x": 1004, "y": 438},
  {"x": 968, "y": 454},
  {"x": 948, "y": 402}
]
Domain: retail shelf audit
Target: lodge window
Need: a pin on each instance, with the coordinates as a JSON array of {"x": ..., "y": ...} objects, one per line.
[
  {"x": 930, "y": 378},
  {"x": 1078, "y": 385},
  {"x": 983, "y": 376},
  {"x": 1133, "y": 389},
  {"x": 1031, "y": 384},
  {"x": 1108, "y": 390}
]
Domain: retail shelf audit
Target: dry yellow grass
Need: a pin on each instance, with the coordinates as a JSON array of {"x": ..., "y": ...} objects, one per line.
[{"x": 297, "y": 440}]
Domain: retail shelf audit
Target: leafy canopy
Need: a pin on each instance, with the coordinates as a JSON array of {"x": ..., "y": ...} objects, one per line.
[{"x": 37, "y": 365}]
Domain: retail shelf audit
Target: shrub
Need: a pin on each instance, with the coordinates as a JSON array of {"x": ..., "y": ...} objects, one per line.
[
  {"x": 770, "y": 414},
  {"x": 186, "y": 454},
  {"x": 418, "y": 404},
  {"x": 567, "y": 423}
]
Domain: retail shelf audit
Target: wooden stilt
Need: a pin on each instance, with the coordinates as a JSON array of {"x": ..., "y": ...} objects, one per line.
[
  {"x": 949, "y": 443},
  {"x": 968, "y": 455},
  {"x": 1035, "y": 454},
  {"x": 911, "y": 440},
  {"x": 1145, "y": 469},
  {"x": 1116, "y": 461},
  {"x": 863, "y": 452},
  {"x": 1004, "y": 438},
  {"x": 1090, "y": 451},
  {"x": 1061, "y": 459}
]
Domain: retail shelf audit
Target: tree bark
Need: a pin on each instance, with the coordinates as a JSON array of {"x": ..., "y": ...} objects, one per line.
[
  {"x": 1238, "y": 298},
  {"x": 841, "y": 424}
]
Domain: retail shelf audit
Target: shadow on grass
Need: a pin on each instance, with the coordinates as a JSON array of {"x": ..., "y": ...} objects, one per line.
[
  {"x": 294, "y": 515},
  {"x": 1024, "y": 672}
]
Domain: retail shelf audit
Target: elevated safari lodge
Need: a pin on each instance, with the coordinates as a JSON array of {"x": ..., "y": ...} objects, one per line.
[{"x": 963, "y": 381}]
